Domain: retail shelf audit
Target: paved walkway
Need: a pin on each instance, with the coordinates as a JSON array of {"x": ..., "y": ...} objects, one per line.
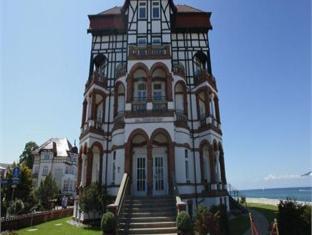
[{"x": 261, "y": 223}]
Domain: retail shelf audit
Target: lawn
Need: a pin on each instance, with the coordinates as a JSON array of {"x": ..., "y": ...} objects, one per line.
[
  {"x": 269, "y": 211},
  {"x": 239, "y": 225},
  {"x": 59, "y": 226}
]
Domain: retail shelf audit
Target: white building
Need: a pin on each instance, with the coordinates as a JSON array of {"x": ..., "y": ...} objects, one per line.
[
  {"x": 58, "y": 157},
  {"x": 151, "y": 105}
]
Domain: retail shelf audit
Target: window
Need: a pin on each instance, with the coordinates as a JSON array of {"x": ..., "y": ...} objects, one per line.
[
  {"x": 156, "y": 10},
  {"x": 142, "y": 10},
  {"x": 157, "y": 91},
  {"x": 141, "y": 91},
  {"x": 156, "y": 41},
  {"x": 142, "y": 41},
  {"x": 186, "y": 166},
  {"x": 46, "y": 156},
  {"x": 45, "y": 171}
]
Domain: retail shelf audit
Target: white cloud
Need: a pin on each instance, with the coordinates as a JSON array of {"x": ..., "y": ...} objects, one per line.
[{"x": 272, "y": 177}]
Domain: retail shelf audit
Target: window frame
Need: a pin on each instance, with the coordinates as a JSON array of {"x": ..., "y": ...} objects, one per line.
[
  {"x": 155, "y": 8},
  {"x": 142, "y": 5}
]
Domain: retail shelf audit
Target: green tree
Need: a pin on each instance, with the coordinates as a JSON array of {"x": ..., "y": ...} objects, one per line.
[
  {"x": 23, "y": 190},
  {"x": 47, "y": 192},
  {"x": 27, "y": 156},
  {"x": 93, "y": 199}
]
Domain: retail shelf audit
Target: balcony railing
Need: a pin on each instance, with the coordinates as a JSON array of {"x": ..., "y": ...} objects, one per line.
[
  {"x": 180, "y": 116},
  {"x": 139, "y": 104},
  {"x": 160, "y": 104},
  {"x": 202, "y": 76},
  {"x": 149, "y": 52},
  {"x": 97, "y": 79}
]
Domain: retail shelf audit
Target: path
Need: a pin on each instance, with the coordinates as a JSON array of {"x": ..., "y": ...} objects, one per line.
[{"x": 261, "y": 223}]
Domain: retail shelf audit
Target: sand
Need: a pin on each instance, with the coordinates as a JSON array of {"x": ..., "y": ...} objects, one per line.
[{"x": 268, "y": 201}]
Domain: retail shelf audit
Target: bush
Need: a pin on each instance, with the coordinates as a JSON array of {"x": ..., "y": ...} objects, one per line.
[
  {"x": 207, "y": 222},
  {"x": 184, "y": 222},
  {"x": 16, "y": 207},
  {"x": 294, "y": 218},
  {"x": 223, "y": 221},
  {"x": 243, "y": 200},
  {"x": 93, "y": 199},
  {"x": 108, "y": 223}
]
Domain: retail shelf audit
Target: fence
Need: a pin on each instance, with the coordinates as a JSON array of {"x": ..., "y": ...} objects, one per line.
[{"x": 21, "y": 221}]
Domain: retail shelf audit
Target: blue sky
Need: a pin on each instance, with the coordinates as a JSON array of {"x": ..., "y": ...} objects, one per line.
[{"x": 261, "y": 58}]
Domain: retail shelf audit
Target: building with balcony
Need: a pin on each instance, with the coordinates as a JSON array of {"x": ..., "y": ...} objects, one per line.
[
  {"x": 150, "y": 107},
  {"x": 58, "y": 157}
]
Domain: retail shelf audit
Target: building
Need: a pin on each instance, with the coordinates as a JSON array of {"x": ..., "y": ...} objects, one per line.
[
  {"x": 151, "y": 106},
  {"x": 3, "y": 170},
  {"x": 58, "y": 157}
]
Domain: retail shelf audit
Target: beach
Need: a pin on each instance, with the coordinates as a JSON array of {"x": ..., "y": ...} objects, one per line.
[{"x": 269, "y": 201}]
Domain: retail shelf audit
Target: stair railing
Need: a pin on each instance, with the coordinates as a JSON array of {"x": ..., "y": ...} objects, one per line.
[
  {"x": 180, "y": 205},
  {"x": 117, "y": 205}
]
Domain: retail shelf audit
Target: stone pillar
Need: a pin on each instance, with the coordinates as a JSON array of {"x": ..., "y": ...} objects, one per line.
[
  {"x": 149, "y": 169},
  {"x": 88, "y": 111}
]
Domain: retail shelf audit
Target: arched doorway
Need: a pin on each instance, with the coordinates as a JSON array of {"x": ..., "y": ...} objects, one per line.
[{"x": 150, "y": 163}]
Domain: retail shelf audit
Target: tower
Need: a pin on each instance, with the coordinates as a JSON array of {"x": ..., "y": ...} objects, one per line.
[{"x": 151, "y": 106}]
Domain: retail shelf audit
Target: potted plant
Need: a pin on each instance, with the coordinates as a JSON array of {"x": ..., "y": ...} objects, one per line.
[
  {"x": 108, "y": 224},
  {"x": 184, "y": 223}
]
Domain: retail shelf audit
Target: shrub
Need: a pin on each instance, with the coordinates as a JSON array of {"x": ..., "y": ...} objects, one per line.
[
  {"x": 108, "y": 223},
  {"x": 207, "y": 222},
  {"x": 16, "y": 207},
  {"x": 93, "y": 199},
  {"x": 184, "y": 222},
  {"x": 243, "y": 200},
  {"x": 223, "y": 221},
  {"x": 294, "y": 218}
]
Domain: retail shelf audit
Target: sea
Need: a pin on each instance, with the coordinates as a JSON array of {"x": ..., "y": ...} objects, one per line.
[{"x": 303, "y": 194}]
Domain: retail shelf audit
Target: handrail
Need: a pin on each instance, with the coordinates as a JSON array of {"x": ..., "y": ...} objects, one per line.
[
  {"x": 181, "y": 206},
  {"x": 117, "y": 205}
]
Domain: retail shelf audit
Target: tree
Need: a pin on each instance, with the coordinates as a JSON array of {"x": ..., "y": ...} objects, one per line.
[
  {"x": 23, "y": 190},
  {"x": 27, "y": 156},
  {"x": 47, "y": 192},
  {"x": 93, "y": 199}
]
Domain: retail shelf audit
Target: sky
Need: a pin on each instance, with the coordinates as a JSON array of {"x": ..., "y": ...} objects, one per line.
[{"x": 261, "y": 58}]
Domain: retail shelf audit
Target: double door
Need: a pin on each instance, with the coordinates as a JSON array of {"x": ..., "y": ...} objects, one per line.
[{"x": 141, "y": 169}]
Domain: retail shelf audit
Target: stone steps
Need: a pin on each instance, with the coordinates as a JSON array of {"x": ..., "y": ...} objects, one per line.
[{"x": 148, "y": 215}]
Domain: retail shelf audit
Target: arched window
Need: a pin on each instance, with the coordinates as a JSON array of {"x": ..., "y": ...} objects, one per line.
[
  {"x": 121, "y": 99},
  {"x": 180, "y": 98},
  {"x": 201, "y": 106},
  {"x": 140, "y": 85},
  {"x": 200, "y": 62},
  {"x": 159, "y": 85},
  {"x": 100, "y": 64}
]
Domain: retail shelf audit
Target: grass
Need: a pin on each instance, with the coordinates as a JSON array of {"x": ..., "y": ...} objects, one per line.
[
  {"x": 269, "y": 211},
  {"x": 59, "y": 226},
  {"x": 239, "y": 225}
]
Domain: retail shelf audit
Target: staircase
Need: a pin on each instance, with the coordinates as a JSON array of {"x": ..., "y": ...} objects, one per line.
[{"x": 148, "y": 215}]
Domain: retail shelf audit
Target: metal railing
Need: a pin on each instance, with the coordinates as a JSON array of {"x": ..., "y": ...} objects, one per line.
[
  {"x": 180, "y": 116},
  {"x": 160, "y": 103},
  {"x": 139, "y": 104}
]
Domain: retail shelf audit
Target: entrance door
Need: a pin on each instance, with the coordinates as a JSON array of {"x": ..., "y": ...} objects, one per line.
[
  {"x": 139, "y": 185},
  {"x": 160, "y": 178}
]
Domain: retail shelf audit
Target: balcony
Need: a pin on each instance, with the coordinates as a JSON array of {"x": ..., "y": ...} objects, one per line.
[
  {"x": 160, "y": 104},
  {"x": 178, "y": 69},
  {"x": 209, "y": 122},
  {"x": 121, "y": 70},
  {"x": 92, "y": 126},
  {"x": 96, "y": 79},
  {"x": 149, "y": 52},
  {"x": 181, "y": 119},
  {"x": 203, "y": 76},
  {"x": 139, "y": 104}
]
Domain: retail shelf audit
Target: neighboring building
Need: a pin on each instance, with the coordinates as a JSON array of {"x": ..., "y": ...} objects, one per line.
[
  {"x": 151, "y": 106},
  {"x": 3, "y": 169},
  {"x": 58, "y": 157}
]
